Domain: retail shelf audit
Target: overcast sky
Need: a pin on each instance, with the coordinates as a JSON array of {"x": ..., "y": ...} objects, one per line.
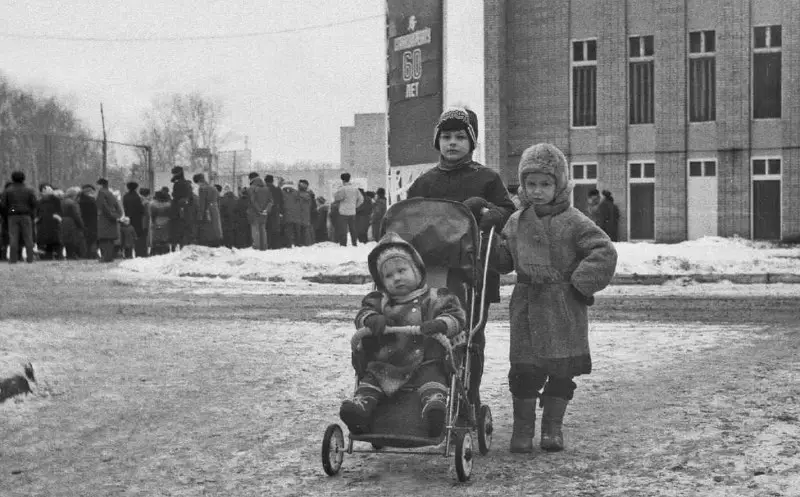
[{"x": 289, "y": 93}]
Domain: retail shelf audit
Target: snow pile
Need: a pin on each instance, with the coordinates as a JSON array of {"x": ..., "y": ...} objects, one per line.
[
  {"x": 707, "y": 255},
  {"x": 710, "y": 255}
]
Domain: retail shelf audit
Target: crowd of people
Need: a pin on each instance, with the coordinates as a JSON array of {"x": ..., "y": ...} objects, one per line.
[{"x": 92, "y": 221}]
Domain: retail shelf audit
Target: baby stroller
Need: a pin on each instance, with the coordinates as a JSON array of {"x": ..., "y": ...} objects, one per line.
[{"x": 447, "y": 237}]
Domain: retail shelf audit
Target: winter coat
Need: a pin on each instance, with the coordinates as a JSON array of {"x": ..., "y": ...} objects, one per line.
[
  {"x": 378, "y": 211},
  {"x": 18, "y": 200},
  {"x": 292, "y": 206},
  {"x": 88, "y": 207},
  {"x": 321, "y": 226},
  {"x": 108, "y": 213},
  {"x": 261, "y": 201},
  {"x": 363, "y": 215},
  {"x": 227, "y": 214},
  {"x": 243, "y": 237},
  {"x": 159, "y": 222},
  {"x": 134, "y": 210},
  {"x": 349, "y": 199},
  {"x": 209, "y": 225},
  {"x": 307, "y": 205},
  {"x": 562, "y": 259},
  {"x": 391, "y": 351},
  {"x": 127, "y": 236},
  {"x": 466, "y": 181},
  {"x": 48, "y": 228},
  {"x": 71, "y": 223},
  {"x": 275, "y": 213}
]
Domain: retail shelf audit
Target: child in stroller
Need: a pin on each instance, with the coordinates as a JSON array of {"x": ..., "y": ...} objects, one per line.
[{"x": 386, "y": 362}]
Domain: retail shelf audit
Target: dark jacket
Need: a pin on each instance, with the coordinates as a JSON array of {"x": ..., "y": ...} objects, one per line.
[
  {"x": 134, "y": 209},
  {"x": 48, "y": 228},
  {"x": 108, "y": 213},
  {"x": 470, "y": 180},
  {"x": 88, "y": 207},
  {"x": 261, "y": 201},
  {"x": 71, "y": 223},
  {"x": 18, "y": 200},
  {"x": 159, "y": 221}
]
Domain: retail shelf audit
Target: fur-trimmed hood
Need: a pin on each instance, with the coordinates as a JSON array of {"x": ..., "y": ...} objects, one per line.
[{"x": 391, "y": 239}]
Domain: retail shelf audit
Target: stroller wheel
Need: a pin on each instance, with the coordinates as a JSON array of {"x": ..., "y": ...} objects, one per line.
[
  {"x": 463, "y": 456},
  {"x": 332, "y": 449},
  {"x": 485, "y": 429}
]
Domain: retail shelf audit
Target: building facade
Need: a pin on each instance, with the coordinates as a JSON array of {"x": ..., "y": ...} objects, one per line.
[
  {"x": 688, "y": 111},
  {"x": 363, "y": 149}
]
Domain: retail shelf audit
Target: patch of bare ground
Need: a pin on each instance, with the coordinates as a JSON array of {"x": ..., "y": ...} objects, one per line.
[{"x": 144, "y": 389}]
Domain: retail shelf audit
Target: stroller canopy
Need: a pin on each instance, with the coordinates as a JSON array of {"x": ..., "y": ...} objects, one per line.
[{"x": 444, "y": 233}]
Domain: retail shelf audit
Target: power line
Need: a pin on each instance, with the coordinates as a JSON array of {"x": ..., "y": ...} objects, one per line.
[{"x": 229, "y": 36}]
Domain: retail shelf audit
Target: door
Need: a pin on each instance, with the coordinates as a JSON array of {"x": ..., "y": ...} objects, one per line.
[
  {"x": 642, "y": 211},
  {"x": 767, "y": 209},
  {"x": 701, "y": 199},
  {"x": 580, "y": 194}
]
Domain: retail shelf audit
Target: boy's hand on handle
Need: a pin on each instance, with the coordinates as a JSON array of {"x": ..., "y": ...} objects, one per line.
[
  {"x": 376, "y": 323},
  {"x": 476, "y": 204},
  {"x": 491, "y": 217},
  {"x": 433, "y": 327}
]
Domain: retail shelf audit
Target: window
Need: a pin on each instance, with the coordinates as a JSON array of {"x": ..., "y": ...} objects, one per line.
[
  {"x": 641, "y": 80},
  {"x": 702, "y": 76},
  {"x": 584, "y": 83},
  {"x": 702, "y": 168},
  {"x": 766, "y": 72}
]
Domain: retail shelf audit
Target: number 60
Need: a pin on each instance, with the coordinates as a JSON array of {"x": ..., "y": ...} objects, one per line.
[{"x": 412, "y": 64}]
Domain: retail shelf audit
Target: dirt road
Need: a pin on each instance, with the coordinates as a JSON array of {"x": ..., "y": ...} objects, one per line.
[{"x": 148, "y": 389}]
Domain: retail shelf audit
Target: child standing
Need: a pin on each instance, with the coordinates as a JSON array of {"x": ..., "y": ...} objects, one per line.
[
  {"x": 392, "y": 360},
  {"x": 127, "y": 237},
  {"x": 562, "y": 259}
]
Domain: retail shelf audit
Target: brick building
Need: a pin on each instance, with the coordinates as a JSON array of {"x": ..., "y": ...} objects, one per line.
[
  {"x": 688, "y": 111},
  {"x": 363, "y": 149}
]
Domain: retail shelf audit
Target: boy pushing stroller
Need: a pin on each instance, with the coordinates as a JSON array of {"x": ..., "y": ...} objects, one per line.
[{"x": 387, "y": 362}]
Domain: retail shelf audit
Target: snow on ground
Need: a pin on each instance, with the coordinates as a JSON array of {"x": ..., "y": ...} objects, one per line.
[{"x": 709, "y": 255}]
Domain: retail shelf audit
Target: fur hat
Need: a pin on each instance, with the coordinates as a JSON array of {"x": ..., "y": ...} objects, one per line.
[
  {"x": 548, "y": 159},
  {"x": 457, "y": 119}
]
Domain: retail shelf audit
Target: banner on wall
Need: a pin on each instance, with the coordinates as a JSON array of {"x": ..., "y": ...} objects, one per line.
[{"x": 414, "y": 79}]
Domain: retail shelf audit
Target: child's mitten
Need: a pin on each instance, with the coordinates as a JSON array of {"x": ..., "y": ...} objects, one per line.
[
  {"x": 376, "y": 323},
  {"x": 433, "y": 327},
  {"x": 588, "y": 301}
]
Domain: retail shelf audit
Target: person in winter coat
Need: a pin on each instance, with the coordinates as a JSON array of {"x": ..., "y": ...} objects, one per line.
[
  {"x": 227, "y": 213},
  {"x": 308, "y": 211},
  {"x": 378, "y": 211},
  {"x": 207, "y": 218},
  {"x": 159, "y": 213},
  {"x": 88, "y": 206},
  {"x": 72, "y": 224},
  {"x": 20, "y": 206},
  {"x": 275, "y": 217},
  {"x": 109, "y": 211},
  {"x": 363, "y": 215},
  {"x": 611, "y": 226},
  {"x": 459, "y": 178},
  {"x": 321, "y": 224},
  {"x": 244, "y": 237},
  {"x": 127, "y": 237},
  {"x": 348, "y": 198},
  {"x": 260, "y": 204},
  {"x": 292, "y": 215},
  {"x": 389, "y": 361},
  {"x": 134, "y": 210},
  {"x": 48, "y": 224},
  {"x": 562, "y": 259},
  {"x": 182, "y": 226}
]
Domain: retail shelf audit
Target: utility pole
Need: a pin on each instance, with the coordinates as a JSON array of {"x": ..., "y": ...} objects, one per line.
[{"x": 105, "y": 141}]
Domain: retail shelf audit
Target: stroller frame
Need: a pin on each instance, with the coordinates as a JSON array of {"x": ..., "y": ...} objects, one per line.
[{"x": 457, "y": 437}]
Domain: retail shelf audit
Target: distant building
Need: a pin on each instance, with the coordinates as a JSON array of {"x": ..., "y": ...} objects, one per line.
[
  {"x": 688, "y": 111},
  {"x": 363, "y": 149}
]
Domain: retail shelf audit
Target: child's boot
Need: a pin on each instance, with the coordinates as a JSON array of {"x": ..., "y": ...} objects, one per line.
[
  {"x": 552, "y": 419},
  {"x": 434, "y": 409},
  {"x": 524, "y": 425},
  {"x": 357, "y": 412}
]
